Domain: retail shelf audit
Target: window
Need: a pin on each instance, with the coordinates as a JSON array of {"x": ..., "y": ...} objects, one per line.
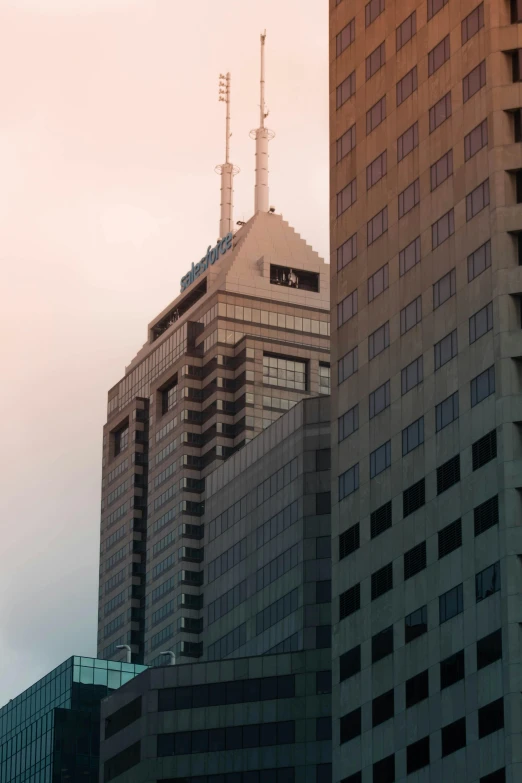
[
  {"x": 413, "y": 436},
  {"x": 384, "y": 770},
  {"x": 347, "y": 252},
  {"x": 349, "y": 481},
  {"x": 417, "y": 755},
  {"x": 481, "y": 322},
  {"x": 414, "y": 560},
  {"x": 349, "y": 601},
  {"x": 121, "y": 439},
  {"x": 415, "y": 624},
  {"x": 453, "y": 737},
  {"x": 446, "y": 411},
  {"x": 379, "y": 399},
  {"x": 476, "y": 140},
  {"x": 122, "y": 761},
  {"x": 438, "y": 55},
  {"x": 383, "y": 708},
  {"x": 377, "y": 226},
  {"x": 345, "y": 38},
  {"x": 349, "y": 541},
  {"x": 413, "y": 498},
  {"x": 417, "y": 688},
  {"x": 499, "y": 776},
  {"x": 378, "y": 283},
  {"x": 378, "y": 341},
  {"x": 516, "y": 16},
  {"x": 350, "y": 725},
  {"x": 484, "y": 449},
  {"x": 482, "y": 386},
  {"x": 472, "y": 23},
  {"x": 376, "y": 115},
  {"x": 477, "y": 200},
  {"x": 380, "y": 459},
  {"x": 411, "y": 315},
  {"x": 487, "y": 582},
  {"x": 440, "y": 112},
  {"x": 450, "y": 538},
  {"x": 406, "y": 31},
  {"x": 382, "y": 581},
  {"x": 479, "y": 260},
  {"x": 407, "y": 85},
  {"x": 412, "y": 375},
  {"x": 450, "y": 604},
  {"x": 376, "y": 170},
  {"x": 382, "y": 644},
  {"x": 485, "y": 515},
  {"x": 323, "y": 729},
  {"x": 345, "y": 143},
  {"x": 348, "y": 423},
  {"x": 322, "y": 459},
  {"x": 474, "y": 81},
  {"x": 323, "y": 638},
  {"x": 348, "y": 365},
  {"x": 375, "y": 60},
  {"x": 445, "y": 349},
  {"x": 441, "y": 170},
  {"x": 409, "y": 198},
  {"x": 345, "y": 90},
  {"x": 491, "y": 718},
  {"x": 350, "y": 663},
  {"x": 381, "y": 519},
  {"x": 356, "y": 777},
  {"x": 169, "y": 397},
  {"x": 283, "y": 371},
  {"x": 347, "y": 308},
  {"x": 489, "y": 649},
  {"x": 434, "y": 6},
  {"x": 407, "y": 142},
  {"x": 372, "y": 11},
  {"x": 346, "y": 197},
  {"x": 324, "y": 380},
  {"x": 323, "y": 503},
  {"x": 323, "y": 774},
  {"x": 452, "y": 670},
  {"x": 323, "y": 547},
  {"x": 444, "y": 288}
]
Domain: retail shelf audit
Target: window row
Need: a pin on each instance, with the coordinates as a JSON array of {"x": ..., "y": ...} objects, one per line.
[
  {"x": 221, "y": 693},
  {"x": 255, "y": 735}
]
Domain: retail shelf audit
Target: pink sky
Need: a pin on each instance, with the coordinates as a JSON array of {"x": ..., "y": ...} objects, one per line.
[{"x": 110, "y": 129}]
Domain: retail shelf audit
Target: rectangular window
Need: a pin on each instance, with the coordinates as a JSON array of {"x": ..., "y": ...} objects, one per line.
[
  {"x": 407, "y": 85},
  {"x": 384, "y": 770},
  {"x": 348, "y": 422},
  {"x": 347, "y": 252},
  {"x": 348, "y": 365},
  {"x": 414, "y": 560},
  {"x": 349, "y": 601},
  {"x": 375, "y": 60},
  {"x": 475, "y": 140},
  {"x": 417, "y": 688},
  {"x": 378, "y": 341},
  {"x": 406, "y": 30},
  {"x": 479, "y": 261},
  {"x": 376, "y": 170},
  {"x": 446, "y": 411},
  {"x": 485, "y": 515},
  {"x": 442, "y": 229},
  {"x": 477, "y": 200},
  {"x": 349, "y": 541},
  {"x": 441, "y": 170},
  {"x": 412, "y": 375},
  {"x": 378, "y": 283},
  {"x": 376, "y": 115},
  {"x": 453, "y": 737},
  {"x": 346, "y": 197},
  {"x": 445, "y": 349},
  {"x": 372, "y": 10},
  {"x": 345, "y": 90},
  {"x": 450, "y": 604},
  {"x": 350, "y": 725},
  {"x": 379, "y": 399},
  {"x": 444, "y": 288},
  {"x": 411, "y": 315},
  {"x": 450, "y": 538},
  {"x": 345, "y": 38},
  {"x": 409, "y": 256},
  {"x": 377, "y": 226},
  {"x": 491, "y": 718},
  {"x": 440, "y": 112},
  {"x": 380, "y": 459},
  {"x": 417, "y": 755},
  {"x": 382, "y": 644},
  {"x": 452, "y": 670},
  {"x": 345, "y": 143},
  {"x": 474, "y": 81},
  {"x": 413, "y": 498},
  {"x": 381, "y": 519},
  {"x": 383, "y": 708},
  {"x": 285, "y": 372},
  {"x": 448, "y": 474},
  {"x": 489, "y": 649},
  {"x": 480, "y": 323},
  {"x": 347, "y": 308},
  {"x": 407, "y": 142},
  {"x": 349, "y": 481},
  {"x": 499, "y": 776},
  {"x": 382, "y": 581},
  {"x": 484, "y": 450},
  {"x": 487, "y": 582},
  {"x": 350, "y": 663},
  {"x": 482, "y": 386},
  {"x": 434, "y": 6},
  {"x": 438, "y": 55},
  {"x": 412, "y": 436},
  {"x": 409, "y": 198},
  {"x": 415, "y": 624},
  {"x": 323, "y": 503}
]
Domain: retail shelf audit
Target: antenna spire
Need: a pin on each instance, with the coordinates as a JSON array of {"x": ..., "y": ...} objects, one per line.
[
  {"x": 262, "y": 136},
  {"x": 227, "y": 169}
]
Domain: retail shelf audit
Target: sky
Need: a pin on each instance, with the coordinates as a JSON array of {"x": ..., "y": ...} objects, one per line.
[{"x": 110, "y": 129}]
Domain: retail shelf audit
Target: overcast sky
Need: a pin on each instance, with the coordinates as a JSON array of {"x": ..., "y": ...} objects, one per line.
[{"x": 110, "y": 129}]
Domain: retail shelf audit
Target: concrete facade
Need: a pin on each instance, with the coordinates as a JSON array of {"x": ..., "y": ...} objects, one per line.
[{"x": 426, "y": 219}]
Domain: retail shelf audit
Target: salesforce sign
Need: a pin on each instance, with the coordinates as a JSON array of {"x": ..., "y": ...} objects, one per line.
[{"x": 211, "y": 257}]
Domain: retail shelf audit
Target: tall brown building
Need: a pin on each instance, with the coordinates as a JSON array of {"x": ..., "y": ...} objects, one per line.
[{"x": 426, "y": 220}]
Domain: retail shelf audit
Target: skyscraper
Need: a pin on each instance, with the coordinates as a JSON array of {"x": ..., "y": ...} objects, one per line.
[{"x": 426, "y": 186}]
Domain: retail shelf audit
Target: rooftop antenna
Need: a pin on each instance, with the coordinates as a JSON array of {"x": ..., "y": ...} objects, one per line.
[
  {"x": 262, "y": 136},
  {"x": 226, "y": 169}
]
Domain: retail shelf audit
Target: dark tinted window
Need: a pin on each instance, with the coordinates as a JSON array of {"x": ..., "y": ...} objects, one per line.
[
  {"x": 491, "y": 718},
  {"x": 323, "y": 728},
  {"x": 489, "y": 649},
  {"x": 406, "y": 30},
  {"x": 345, "y": 38},
  {"x": 383, "y": 708},
  {"x": 323, "y": 682},
  {"x": 453, "y": 737},
  {"x": 474, "y": 81},
  {"x": 347, "y": 252},
  {"x": 477, "y": 200},
  {"x": 381, "y": 519},
  {"x": 448, "y": 474},
  {"x": 441, "y": 170},
  {"x": 472, "y": 23},
  {"x": 452, "y": 670},
  {"x": 487, "y": 582},
  {"x": 417, "y": 688},
  {"x": 349, "y": 541},
  {"x": 406, "y": 86},
  {"x": 434, "y": 6},
  {"x": 413, "y": 498},
  {"x": 415, "y": 624},
  {"x": 450, "y": 604},
  {"x": 450, "y": 538},
  {"x": 485, "y": 515},
  {"x": 438, "y": 55},
  {"x": 414, "y": 560},
  {"x": 382, "y": 644},
  {"x": 350, "y": 663},
  {"x": 475, "y": 140},
  {"x": 349, "y": 601},
  {"x": 376, "y": 115},
  {"x": 440, "y": 112},
  {"x": 375, "y": 60},
  {"x": 418, "y": 755},
  {"x": 350, "y": 725},
  {"x": 384, "y": 770},
  {"x": 372, "y": 10},
  {"x": 345, "y": 90},
  {"x": 499, "y": 776},
  {"x": 382, "y": 581}
]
